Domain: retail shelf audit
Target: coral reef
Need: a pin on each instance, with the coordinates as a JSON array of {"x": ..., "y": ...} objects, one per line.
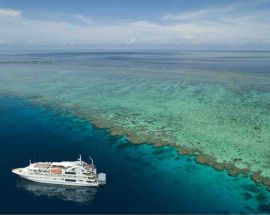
[{"x": 222, "y": 117}]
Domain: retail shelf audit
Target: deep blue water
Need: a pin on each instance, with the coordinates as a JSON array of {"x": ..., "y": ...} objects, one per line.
[
  {"x": 140, "y": 178},
  {"x": 233, "y": 61}
]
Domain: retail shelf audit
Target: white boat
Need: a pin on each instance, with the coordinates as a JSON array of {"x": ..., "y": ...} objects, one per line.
[{"x": 76, "y": 173}]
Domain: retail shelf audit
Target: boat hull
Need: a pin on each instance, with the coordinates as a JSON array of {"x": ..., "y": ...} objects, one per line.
[{"x": 53, "y": 179}]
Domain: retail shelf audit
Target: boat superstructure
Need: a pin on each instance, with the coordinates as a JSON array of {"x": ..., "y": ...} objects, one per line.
[{"x": 77, "y": 173}]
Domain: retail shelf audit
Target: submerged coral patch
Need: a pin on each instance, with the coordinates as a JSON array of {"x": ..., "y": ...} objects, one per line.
[{"x": 221, "y": 116}]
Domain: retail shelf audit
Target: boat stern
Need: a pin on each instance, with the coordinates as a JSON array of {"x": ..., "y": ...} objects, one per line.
[{"x": 102, "y": 178}]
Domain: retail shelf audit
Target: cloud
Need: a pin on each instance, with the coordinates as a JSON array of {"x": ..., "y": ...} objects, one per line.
[
  {"x": 131, "y": 41},
  {"x": 186, "y": 16},
  {"x": 232, "y": 24},
  {"x": 84, "y": 19},
  {"x": 218, "y": 14},
  {"x": 9, "y": 12},
  {"x": 2, "y": 41}
]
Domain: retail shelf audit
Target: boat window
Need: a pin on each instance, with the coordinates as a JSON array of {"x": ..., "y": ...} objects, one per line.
[
  {"x": 87, "y": 173},
  {"x": 70, "y": 173},
  {"x": 71, "y": 180}
]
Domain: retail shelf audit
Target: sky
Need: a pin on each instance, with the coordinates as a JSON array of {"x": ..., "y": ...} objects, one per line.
[{"x": 131, "y": 24}]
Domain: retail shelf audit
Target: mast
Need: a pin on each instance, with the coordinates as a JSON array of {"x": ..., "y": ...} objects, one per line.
[
  {"x": 91, "y": 160},
  {"x": 80, "y": 159}
]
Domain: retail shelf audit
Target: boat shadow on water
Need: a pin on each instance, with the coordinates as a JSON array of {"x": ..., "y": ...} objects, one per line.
[{"x": 79, "y": 195}]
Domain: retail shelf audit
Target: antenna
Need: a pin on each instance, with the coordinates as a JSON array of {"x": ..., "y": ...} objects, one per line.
[
  {"x": 80, "y": 158},
  {"x": 91, "y": 160}
]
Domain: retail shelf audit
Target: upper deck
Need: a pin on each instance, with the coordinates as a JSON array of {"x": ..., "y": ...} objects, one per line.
[{"x": 64, "y": 167}]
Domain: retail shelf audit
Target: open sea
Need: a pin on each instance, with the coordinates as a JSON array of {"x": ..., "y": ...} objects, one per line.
[{"x": 218, "y": 101}]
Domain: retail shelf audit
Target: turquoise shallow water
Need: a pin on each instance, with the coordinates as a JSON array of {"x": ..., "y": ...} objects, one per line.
[
  {"x": 216, "y": 102},
  {"x": 141, "y": 178}
]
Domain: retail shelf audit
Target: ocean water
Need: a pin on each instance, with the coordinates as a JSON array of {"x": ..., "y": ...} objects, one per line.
[
  {"x": 140, "y": 178},
  {"x": 216, "y": 102}
]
